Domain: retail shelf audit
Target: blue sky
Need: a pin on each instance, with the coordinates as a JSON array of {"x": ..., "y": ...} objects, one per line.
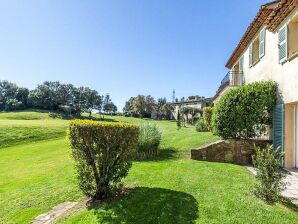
[{"x": 124, "y": 47}]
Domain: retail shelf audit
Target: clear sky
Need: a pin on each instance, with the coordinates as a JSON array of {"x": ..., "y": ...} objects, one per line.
[{"x": 124, "y": 47}]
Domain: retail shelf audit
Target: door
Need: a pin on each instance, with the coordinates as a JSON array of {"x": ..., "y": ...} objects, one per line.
[{"x": 296, "y": 136}]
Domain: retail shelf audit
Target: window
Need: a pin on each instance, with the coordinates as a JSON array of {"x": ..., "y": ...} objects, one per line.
[
  {"x": 257, "y": 48},
  {"x": 293, "y": 37},
  {"x": 288, "y": 40},
  {"x": 237, "y": 73}
]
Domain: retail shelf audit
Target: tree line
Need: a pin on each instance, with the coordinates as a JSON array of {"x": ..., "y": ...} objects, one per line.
[
  {"x": 143, "y": 107},
  {"x": 54, "y": 96}
]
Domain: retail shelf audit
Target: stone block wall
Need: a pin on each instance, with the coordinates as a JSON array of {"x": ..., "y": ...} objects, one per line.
[{"x": 229, "y": 151}]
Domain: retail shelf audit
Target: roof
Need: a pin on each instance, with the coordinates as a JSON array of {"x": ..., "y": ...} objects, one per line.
[
  {"x": 259, "y": 20},
  {"x": 283, "y": 9}
]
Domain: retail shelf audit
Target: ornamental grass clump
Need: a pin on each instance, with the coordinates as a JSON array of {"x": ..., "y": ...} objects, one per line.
[
  {"x": 103, "y": 152},
  {"x": 149, "y": 141},
  {"x": 201, "y": 125},
  {"x": 269, "y": 173}
]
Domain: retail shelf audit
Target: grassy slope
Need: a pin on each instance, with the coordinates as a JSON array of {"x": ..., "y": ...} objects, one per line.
[
  {"x": 29, "y": 126},
  {"x": 170, "y": 189}
]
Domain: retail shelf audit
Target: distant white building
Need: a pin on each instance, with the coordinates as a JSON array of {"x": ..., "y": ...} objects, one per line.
[{"x": 190, "y": 108}]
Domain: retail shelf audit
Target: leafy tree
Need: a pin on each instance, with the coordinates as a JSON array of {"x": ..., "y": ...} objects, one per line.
[
  {"x": 108, "y": 106},
  {"x": 12, "y": 104},
  {"x": 140, "y": 106},
  {"x": 128, "y": 108},
  {"x": 163, "y": 108},
  {"x": 45, "y": 96},
  {"x": 195, "y": 97},
  {"x": 12, "y": 97}
]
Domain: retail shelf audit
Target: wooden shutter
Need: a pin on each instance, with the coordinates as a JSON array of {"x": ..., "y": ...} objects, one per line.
[
  {"x": 278, "y": 126},
  {"x": 262, "y": 43},
  {"x": 250, "y": 55},
  {"x": 283, "y": 43}
]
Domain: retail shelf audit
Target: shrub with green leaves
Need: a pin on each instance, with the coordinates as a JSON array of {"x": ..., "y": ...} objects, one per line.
[
  {"x": 103, "y": 152},
  {"x": 269, "y": 174},
  {"x": 201, "y": 125},
  {"x": 245, "y": 111},
  {"x": 178, "y": 122},
  {"x": 149, "y": 141},
  {"x": 207, "y": 115}
]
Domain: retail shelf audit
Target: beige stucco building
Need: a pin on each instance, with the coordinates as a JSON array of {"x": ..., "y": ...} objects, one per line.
[
  {"x": 192, "y": 107},
  {"x": 269, "y": 51}
]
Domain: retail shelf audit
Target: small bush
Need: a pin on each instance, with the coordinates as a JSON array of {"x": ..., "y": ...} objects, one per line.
[
  {"x": 207, "y": 115},
  {"x": 178, "y": 122},
  {"x": 201, "y": 126},
  {"x": 269, "y": 175},
  {"x": 103, "y": 152},
  {"x": 245, "y": 112},
  {"x": 149, "y": 141}
]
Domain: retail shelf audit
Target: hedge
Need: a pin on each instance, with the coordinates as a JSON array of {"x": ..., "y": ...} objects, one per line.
[
  {"x": 246, "y": 111},
  {"x": 102, "y": 152}
]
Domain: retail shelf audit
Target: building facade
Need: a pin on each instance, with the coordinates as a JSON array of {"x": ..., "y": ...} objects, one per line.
[
  {"x": 189, "y": 108},
  {"x": 269, "y": 51}
]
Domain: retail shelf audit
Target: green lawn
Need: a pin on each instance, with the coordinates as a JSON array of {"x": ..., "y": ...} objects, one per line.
[
  {"x": 14, "y": 132},
  {"x": 171, "y": 188}
]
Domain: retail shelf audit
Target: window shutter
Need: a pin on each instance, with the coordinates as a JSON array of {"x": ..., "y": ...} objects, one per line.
[
  {"x": 250, "y": 55},
  {"x": 241, "y": 76},
  {"x": 262, "y": 43},
  {"x": 278, "y": 127},
  {"x": 283, "y": 43}
]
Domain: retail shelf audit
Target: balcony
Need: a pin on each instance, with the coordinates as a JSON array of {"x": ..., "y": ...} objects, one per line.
[{"x": 231, "y": 79}]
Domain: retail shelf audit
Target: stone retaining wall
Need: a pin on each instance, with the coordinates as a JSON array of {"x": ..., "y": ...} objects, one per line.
[{"x": 229, "y": 151}]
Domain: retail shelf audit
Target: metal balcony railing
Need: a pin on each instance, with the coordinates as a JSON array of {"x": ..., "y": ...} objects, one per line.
[
  {"x": 226, "y": 79},
  {"x": 237, "y": 79},
  {"x": 232, "y": 78}
]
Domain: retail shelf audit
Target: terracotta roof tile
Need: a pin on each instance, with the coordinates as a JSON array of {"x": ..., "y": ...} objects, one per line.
[
  {"x": 251, "y": 31},
  {"x": 283, "y": 9},
  {"x": 270, "y": 15}
]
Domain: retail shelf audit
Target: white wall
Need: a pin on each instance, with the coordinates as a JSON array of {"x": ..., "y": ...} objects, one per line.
[{"x": 269, "y": 68}]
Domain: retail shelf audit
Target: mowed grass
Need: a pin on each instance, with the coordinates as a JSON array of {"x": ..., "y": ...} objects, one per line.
[
  {"x": 170, "y": 188},
  {"x": 14, "y": 132}
]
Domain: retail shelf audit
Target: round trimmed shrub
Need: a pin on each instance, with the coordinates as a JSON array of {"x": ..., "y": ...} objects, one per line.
[
  {"x": 245, "y": 112},
  {"x": 149, "y": 141},
  {"x": 103, "y": 152}
]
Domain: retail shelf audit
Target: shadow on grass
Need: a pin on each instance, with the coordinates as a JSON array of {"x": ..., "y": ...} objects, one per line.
[
  {"x": 149, "y": 205},
  {"x": 164, "y": 154},
  {"x": 56, "y": 115},
  {"x": 287, "y": 203}
]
